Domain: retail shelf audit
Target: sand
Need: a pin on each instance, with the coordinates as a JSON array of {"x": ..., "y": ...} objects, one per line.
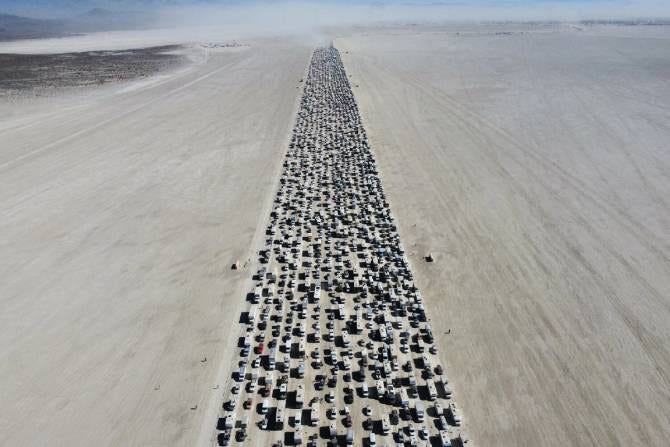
[
  {"x": 122, "y": 212},
  {"x": 534, "y": 166}
]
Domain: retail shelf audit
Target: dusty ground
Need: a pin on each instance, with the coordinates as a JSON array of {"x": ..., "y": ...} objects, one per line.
[
  {"x": 532, "y": 162},
  {"x": 121, "y": 215},
  {"x": 534, "y": 165},
  {"x": 43, "y": 73}
]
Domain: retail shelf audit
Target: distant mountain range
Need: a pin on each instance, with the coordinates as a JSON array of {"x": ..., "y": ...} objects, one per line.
[{"x": 16, "y": 27}]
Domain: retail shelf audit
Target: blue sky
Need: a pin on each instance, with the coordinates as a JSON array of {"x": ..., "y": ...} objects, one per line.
[{"x": 571, "y": 8}]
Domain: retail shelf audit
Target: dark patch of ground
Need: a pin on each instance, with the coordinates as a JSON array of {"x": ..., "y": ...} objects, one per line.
[{"x": 24, "y": 72}]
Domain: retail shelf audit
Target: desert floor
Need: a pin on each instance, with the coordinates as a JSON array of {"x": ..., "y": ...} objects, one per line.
[
  {"x": 533, "y": 163},
  {"x": 122, "y": 212}
]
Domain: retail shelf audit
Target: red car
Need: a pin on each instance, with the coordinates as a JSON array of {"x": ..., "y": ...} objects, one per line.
[{"x": 259, "y": 348}]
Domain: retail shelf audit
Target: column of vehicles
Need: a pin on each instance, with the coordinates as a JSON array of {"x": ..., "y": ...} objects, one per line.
[{"x": 336, "y": 348}]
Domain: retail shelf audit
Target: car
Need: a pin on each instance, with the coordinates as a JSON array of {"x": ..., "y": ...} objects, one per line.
[
  {"x": 347, "y": 421},
  {"x": 259, "y": 348},
  {"x": 247, "y": 404},
  {"x": 241, "y": 435},
  {"x": 224, "y": 438},
  {"x": 438, "y": 370},
  {"x": 394, "y": 417}
]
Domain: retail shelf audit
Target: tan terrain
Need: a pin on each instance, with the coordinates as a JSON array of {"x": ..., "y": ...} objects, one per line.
[
  {"x": 121, "y": 214},
  {"x": 534, "y": 166}
]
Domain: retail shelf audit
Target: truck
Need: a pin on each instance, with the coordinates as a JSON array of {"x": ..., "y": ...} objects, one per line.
[{"x": 445, "y": 440}]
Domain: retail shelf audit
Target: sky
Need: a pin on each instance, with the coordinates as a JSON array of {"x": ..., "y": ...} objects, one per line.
[{"x": 352, "y": 10}]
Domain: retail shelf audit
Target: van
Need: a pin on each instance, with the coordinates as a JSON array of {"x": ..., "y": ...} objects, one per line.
[
  {"x": 228, "y": 423},
  {"x": 297, "y": 437},
  {"x": 373, "y": 440},
  {"x": 350, "y": 437},
  {"x": 380, "y": 388},
  {"x": 419, "y": 411}
]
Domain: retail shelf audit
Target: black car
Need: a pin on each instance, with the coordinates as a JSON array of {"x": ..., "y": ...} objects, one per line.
[{"x": 241, "y": 435}]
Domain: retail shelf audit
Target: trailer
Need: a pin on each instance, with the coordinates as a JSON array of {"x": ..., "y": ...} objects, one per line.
[
  {"x": 253, "y": 311},
  {"x": 404, "y": 399},
  {"x": 315, "y": 414},
  {"x": 279, "y": 417},
  {"x": 300, "y": 396},
  {"x": 386, "y": 424},
  {"x": 432, "y": 391},
  {"x": 455, "y": 414}
]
